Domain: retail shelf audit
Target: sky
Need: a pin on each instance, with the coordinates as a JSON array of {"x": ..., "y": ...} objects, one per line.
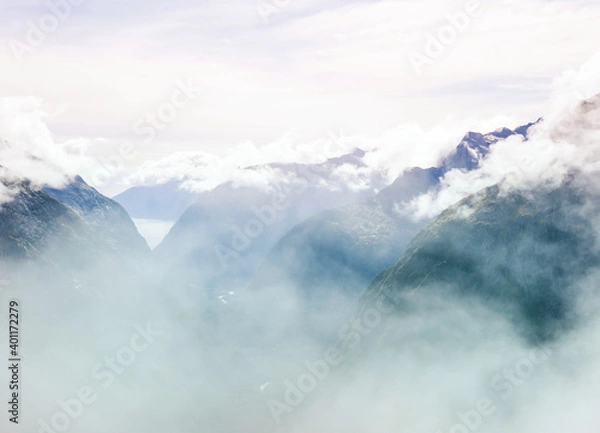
[{"x": 148, "y": 79}]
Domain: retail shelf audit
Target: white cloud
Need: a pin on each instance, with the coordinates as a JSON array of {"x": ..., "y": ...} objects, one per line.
[
  {"x": 316, "y": 67},
  {"x": 564, "y": 143},
  {"x": 27, "y": 148},
  {"x": 387, "y": 156}
]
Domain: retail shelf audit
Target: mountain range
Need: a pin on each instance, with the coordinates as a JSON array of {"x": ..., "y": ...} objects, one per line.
[
  {"x": 254, "y": 279},
  {"x": 345, "y": 248},
  {"x": 308, "y": 230}
]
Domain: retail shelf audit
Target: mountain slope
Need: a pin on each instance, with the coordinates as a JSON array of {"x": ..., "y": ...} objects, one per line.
[
  {"x": 344, "y": 249},
  {"x": 224, "y": 236},
  {"x": 34, "y": 221},
  {"x": 104, "y": 216},
  {"x": 86, "y": 241},
  {"x": 520, "y": 253}
]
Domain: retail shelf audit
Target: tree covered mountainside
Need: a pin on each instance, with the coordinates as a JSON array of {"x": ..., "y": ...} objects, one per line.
[{"x": 519, "y": 252}]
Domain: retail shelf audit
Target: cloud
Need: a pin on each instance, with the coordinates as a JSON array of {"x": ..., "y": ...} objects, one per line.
[
  {"x": 565, "y": 142},
  {"x": 317, "y": 66},
  {"x": 27, "y": 147},
  {"x": 387, "y": 156}
]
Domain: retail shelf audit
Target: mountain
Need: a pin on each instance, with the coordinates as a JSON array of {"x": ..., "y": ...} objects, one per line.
[
  {"x": 34, "y": 221},
  {"x": 345, "y": 248},
  {"x": 475, "y": 146},
  {"x": 224, "y": 236},
  {"x": 79, "y": 269},
  {"x": 521, "y": 253},
  {"x": 105, "y": 217},
  {"x": 168, "y": 201},
  {"x": 73, "y": 235}
]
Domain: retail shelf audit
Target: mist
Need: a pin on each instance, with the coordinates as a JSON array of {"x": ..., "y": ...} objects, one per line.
[{"x": 485, "y": 322}]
